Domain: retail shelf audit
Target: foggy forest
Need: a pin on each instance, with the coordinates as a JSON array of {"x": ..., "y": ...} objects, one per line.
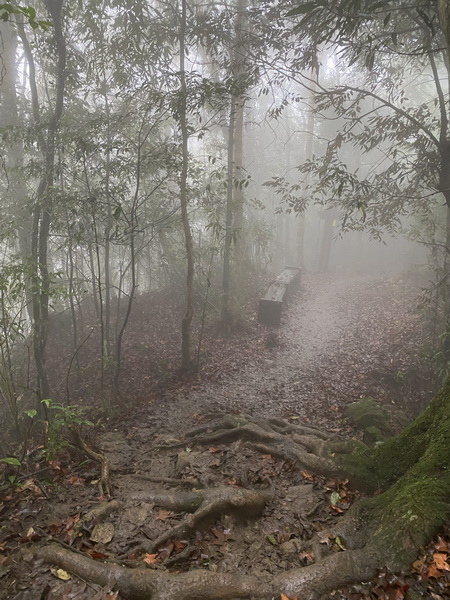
[{"x": 225, "y": 300}]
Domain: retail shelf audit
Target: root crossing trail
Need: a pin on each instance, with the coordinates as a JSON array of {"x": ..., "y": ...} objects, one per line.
[{"x": 341, "y": 338}]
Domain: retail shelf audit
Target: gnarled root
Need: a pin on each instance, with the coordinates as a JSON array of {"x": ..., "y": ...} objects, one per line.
[
  {"x": 101, "y": 511},
  {"x": 307, "y": 447},
  {"x": 148, "y": 584},
  {"x": 104, "y": 483},
  {"x": 206, "y": 506}
]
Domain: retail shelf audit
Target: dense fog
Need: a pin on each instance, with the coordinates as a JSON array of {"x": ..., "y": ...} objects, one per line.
[{"x": 173, "y": 148}]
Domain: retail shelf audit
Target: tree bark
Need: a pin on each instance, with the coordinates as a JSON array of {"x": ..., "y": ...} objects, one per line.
[
  {"x": 226, "y": 279},
  {"x": 42, "y": 210},
  {"x": 189, "y": 311}
]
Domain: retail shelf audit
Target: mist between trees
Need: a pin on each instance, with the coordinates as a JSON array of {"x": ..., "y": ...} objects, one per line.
[
  {"x": 179, "y": 155},
  {"x": 153, "y": 146}
]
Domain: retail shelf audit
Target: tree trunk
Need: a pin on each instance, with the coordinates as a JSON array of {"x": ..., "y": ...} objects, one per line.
[
  {"x": 42, "y": 210},
  {"x": 234, "y": 217},
  {"x": 189, "y": 312},
  {"x": 240, "y": 247},
  {"x": 17, "y": 190},
  {"x": 226, "y": 279},
  {"x": 413, "y": 469},
  {"x": 309, "y": 153}
]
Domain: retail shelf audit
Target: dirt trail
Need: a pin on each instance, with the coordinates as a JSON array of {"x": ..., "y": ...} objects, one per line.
[
  {"x": 336, "y": 330},
  {"x": 341, "y": 338}
]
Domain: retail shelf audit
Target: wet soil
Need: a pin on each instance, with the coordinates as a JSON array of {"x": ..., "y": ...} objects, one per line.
[{"x": 342, "y": 338}]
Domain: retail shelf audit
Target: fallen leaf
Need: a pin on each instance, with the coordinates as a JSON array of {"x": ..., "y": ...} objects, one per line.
[
  {"x": 337, "y": 509},
  {"x": 442, "y": 545},
  {"x": 433, "y": 571},
  {"x": 97, "y": 555},
  {"x": 325, "y": 537},
  {"x": 164, "y": 514},
  {"x": 31, "y": 487},
  {"x": 150, "y": 559},
  {"x": 60, "y": 574},
  {"x": 307, "y": 557},
  {"x": 179, "y": 545},
  {"x": 440, "y": 561},
  {"x": 418, "y": 565},
  {"x": 219, "y": 535},
  {"x": 339, "y": 543},
  {"x": 335, "y": 498},
  {"x": 74, "y": 480}
]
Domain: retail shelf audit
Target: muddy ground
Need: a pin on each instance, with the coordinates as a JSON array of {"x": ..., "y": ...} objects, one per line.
[{"x": 342, "y": 338}]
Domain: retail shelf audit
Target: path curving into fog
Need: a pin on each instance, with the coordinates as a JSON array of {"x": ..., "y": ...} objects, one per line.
[{"x": 338, "y": 334}]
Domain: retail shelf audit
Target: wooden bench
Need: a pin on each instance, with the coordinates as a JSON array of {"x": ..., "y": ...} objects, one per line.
[{"x": 269, "y": 307}]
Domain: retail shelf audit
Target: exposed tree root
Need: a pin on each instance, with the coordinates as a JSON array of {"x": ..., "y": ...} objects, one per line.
[
  {"x": 305, "y": 446},
  {"x": 190, "y": 483},
  {"x": 206, "y": 506},
  {"x": 386, "y": 529},
  {"x": 100, "y": 512},
  {"x": 148, "y": 584},
  {"x": 104, "y": 483}
]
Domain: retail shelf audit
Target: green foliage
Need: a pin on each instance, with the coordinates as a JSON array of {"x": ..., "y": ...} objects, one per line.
[
  {"x": 61, "y": 419},
  {"x": 7, "y": 10},
  {"x": 11, "y": 476},
  {"x": 13, "y": 329},
  {"x": 10, "y": 460}
]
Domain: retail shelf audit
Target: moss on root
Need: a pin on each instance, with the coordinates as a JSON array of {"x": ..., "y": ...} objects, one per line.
[
  {"x": 422, "y": 450},
  {"x": 413, "y": 472}
]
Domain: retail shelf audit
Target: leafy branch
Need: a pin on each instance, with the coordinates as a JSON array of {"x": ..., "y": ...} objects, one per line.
[{"x": 8, "y": 10}]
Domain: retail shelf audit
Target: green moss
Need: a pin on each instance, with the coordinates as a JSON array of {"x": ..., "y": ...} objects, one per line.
[
  {"x": 373, "y": 435},
  {"x": 424, "y": 446},
  {"x": 414, "y": 470},
  {"x": 367, "y": 413},
  {"x": 359, "y": 465},
  {"x": 421, "y": 450},
  {"x": 410, "y": 514}
]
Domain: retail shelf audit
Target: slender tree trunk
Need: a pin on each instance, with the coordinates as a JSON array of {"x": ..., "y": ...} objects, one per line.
[
  {"x": 226, "y": 280},
  {"x": 240, "y": 249},
  {"x": 189, "y": 312},
  {"x": 94, "y": 282},
  {"x": 109, "y": 221},
  {"x": 133, "y": 266},
  {"x": 17, "y": 190},
  {"x": 309, "y": 153},
  {"x": 42, "y": 211}
]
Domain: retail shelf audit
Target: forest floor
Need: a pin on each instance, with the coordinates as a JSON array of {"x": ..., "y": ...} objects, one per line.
[{"x": 342, "y": 339}]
